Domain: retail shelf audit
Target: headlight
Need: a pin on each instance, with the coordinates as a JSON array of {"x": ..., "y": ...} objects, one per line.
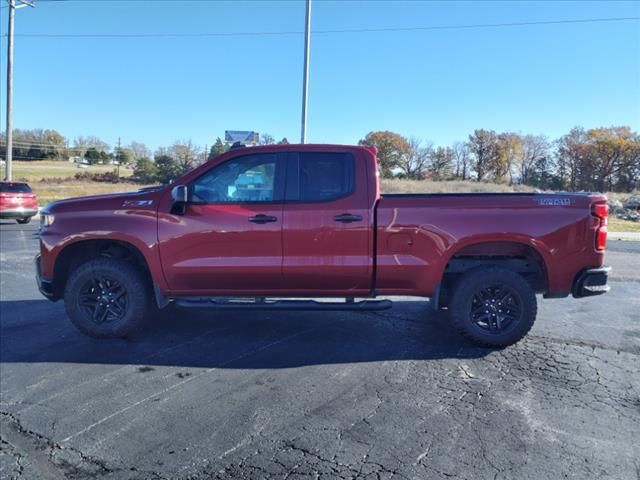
[{"x": 46, "y": 219}]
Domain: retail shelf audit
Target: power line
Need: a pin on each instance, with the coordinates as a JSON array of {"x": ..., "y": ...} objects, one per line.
[
  {"x": 24, "y": 145},
  {"x": 322, "y": 32},
  {"x": 121, "y": 1}
]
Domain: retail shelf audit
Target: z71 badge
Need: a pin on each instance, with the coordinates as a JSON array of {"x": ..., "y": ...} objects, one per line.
[
  {"x": 554, "y": 202},
  {"x": 137, "y": 203}
]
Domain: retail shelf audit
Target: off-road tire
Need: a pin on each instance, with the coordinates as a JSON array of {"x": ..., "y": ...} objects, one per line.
[
  {"x": 117, "y": 272},
  {"x": 464, "y": 301}
]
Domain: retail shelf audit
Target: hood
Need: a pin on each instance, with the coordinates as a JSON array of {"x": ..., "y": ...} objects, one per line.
[{"x": 144, "y": 198}]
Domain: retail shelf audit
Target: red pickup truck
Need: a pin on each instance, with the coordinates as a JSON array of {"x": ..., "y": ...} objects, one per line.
[{"x": 256, "y": 225}]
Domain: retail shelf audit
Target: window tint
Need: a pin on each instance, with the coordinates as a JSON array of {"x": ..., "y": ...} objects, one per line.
[
  {"x": 244, "y": 179},
  {"x": 14, "y": 188},
  {"x": 325, "y": 176}
]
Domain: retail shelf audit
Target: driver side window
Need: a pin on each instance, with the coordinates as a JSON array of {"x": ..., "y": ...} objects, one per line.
[{"x": 251, "y": 178}]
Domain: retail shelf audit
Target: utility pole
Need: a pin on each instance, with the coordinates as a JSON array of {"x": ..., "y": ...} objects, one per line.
[
  {"x": 9, "y": 144},
  {"x": 118, "y": 160},
  {"x": 305, "y": 75}
]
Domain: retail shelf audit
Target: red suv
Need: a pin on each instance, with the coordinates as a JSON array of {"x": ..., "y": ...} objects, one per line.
[{"x": 18, "y": 201}]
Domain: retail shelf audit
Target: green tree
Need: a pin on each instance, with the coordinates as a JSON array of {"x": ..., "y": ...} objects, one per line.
[
  {"x": 92, "y": 155},
  {"x": 145, "y": 170},
  {"x": 284, "y": 141},
  {"x": 391, "y": 146},
  {"x": 168, "y": 168},
  {"x": 216, "y": 149},
  {"x": 122, "y": 156}
]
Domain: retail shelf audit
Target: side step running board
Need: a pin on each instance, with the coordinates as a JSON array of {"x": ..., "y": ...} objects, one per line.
[{"x": 262, "y": 304}]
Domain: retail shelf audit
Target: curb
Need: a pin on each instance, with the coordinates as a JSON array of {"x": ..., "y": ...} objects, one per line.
[{"x": 633, "y": 236}]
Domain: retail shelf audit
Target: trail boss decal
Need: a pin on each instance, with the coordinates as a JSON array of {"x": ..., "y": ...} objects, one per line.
[{"x": 554, "y": 202}]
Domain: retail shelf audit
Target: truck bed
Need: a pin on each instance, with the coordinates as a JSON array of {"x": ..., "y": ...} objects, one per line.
[{"x": 418, "y": 234}]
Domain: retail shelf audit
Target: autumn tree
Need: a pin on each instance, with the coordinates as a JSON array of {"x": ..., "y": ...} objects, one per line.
[
  {"x": 36, "y": 144},
  {"x": 607, "y": 153},
  {"x": 391, "y": 146},
  {"x": 509, "y": 154}
]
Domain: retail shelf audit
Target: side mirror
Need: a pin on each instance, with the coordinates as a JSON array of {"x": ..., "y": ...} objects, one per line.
[
  {"x": 180, "y": 194},
  {"x": 180, "y": 197}
]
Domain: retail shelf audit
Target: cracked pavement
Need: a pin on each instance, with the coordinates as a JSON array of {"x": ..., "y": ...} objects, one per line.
[{"x": 394, "y": 394}]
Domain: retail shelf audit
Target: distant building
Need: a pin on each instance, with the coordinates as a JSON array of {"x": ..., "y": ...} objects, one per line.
[{"x": 79, "y": 160}]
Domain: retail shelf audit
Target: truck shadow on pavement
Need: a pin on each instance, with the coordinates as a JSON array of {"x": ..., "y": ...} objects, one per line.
[{"x": 35, "y": 331}]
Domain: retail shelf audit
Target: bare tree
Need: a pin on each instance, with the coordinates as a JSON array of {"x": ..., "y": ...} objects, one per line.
[
  {"x": 534, "y": 149},
  {"x": 415, "y": 160},
  {"x": 462, "y": 159},
  {"x": 485, "y": 151},
  {"x": 570, "y": 152},
  {"x": 185, "y": 154},
  {"x": 138, "y": 150},
  {"x": 441, "y": 163},
  {"x": 267, "y": 139}
]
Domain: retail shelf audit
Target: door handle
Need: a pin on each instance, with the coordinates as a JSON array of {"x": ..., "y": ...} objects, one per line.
[
  {"x": 347, "y": 218},
  {"x": 261, "y": 218}
]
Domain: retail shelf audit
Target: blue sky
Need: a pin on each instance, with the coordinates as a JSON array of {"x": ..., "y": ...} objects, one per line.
[{"x": 435, "y": 85}]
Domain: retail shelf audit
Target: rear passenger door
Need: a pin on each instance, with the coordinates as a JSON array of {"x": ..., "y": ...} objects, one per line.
[{"x": 327, "y": 226}]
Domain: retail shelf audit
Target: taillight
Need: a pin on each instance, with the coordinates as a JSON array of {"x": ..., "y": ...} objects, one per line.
[{"x": 601, "y": 211}]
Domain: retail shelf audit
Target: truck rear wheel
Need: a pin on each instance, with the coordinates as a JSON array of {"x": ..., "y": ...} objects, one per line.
[
  {"x": 493, "y": 307},
  {"x": 24, "y": 220},
  {"x": 106, "y": 298}
]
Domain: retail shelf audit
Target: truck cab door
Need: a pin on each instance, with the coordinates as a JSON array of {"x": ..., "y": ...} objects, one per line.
[
  {"x": 227, "y": 238},
  {"x": 328, "y": 225}
]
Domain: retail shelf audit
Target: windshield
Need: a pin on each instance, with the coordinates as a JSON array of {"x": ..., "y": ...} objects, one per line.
[{"x": 14, "y": 188}]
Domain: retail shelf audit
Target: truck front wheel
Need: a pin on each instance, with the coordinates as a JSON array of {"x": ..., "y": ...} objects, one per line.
[
  {"x": 493, "y": 307},
  {"x": 106, "y": 298}
]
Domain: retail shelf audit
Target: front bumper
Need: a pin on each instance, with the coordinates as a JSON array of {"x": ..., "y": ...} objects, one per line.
[
  {"x": 19, "y": 212},
  {"x": 592, "y": 281},
  {"x": 44, "y": 285}
]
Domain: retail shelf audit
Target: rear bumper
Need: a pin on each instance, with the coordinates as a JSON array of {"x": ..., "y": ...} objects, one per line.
[
  {"x": 44, "y": 285},
  {"x": 18, "y": 212},
  {"x": 592, "y": 281}
]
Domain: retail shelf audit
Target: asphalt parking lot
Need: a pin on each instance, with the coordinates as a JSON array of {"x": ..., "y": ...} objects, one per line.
[{"x": 291, "y": 395}]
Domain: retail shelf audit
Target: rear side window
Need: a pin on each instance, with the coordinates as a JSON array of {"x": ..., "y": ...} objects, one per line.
[
  {"x": 326, "y": 176},
  {"x": 14, "y": 188}
]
